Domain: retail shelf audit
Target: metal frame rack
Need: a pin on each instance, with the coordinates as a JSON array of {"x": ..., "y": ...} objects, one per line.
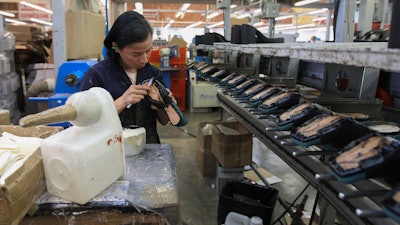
[{"x": 367, "y": 56}]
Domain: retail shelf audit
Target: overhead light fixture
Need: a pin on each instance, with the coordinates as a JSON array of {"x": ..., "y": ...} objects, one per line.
[
  {"x": 258, "y": 24},
  {"x": 212, "y": 15},
  {"x": 182, "y": 10},
  {"x": 194, "y": 24},
  {"x": 36, "y": 7},
  {"x": 244, "y": 15},
  {"x": 320, "y": 19},
  {"x": 169, "y": 23},
  {"x": 139, "y": 7},
  {"x": 257, "y": 11},
  {"x": 305, "y": 2},
  {"x": 294, "y": 27},
  {"x": 15, "y": 21},
  {"x": 7, "y": 14},
  {"x": 42, "y": 22},
  {"x": 216, "y": 24},
  {"x": 315, "y": 12},
  {"x": 284, "y": 17}
]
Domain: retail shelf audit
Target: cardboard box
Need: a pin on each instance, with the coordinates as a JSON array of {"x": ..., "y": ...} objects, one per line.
[
  {"x": 5, "y": 117},
  {"x": 25, "y": 28},
  {"x": 204, "y": 139},
  {"x": 26, "y": 32},
  {"x": 85, "y": 32},
  {"x": 206, "y": 162},
  {"x": 177, "y": 40},
  {"x": 22, "y": 189},
  {"x": 232, "y": 150}
]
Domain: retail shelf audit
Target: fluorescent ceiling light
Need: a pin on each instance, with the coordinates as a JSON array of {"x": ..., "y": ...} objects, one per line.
[
  {"x": 139, "y": 7},
  {"x": 283, "y": 25},
  {"x": 41, "y": 21},
  {"x": 257, "y": 11},
  {"x": 284, "y": 17},
  {"x": 258, "y": 24},
  {"x": 216, "y": 24},
  {"x": 181, "y": 10},
  {"x": 7, "y": 14},
  {"x": 36, "y": 7},
  {"x": 294, "y": 27},
  {"x": 315, "y": 11},
  {"x": 194, "y": 24},
  {"x": 244, "y": 15},
  {"x": 320, "y": 19},
  {"x": 169, "y": 23},
  {"x": 212, "y": 15},
  {"x": 15, "y": 21},
  {"x": 305, "y": 2}
]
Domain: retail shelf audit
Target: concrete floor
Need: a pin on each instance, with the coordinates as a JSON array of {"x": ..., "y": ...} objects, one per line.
[{"x": 198, "y": 196}]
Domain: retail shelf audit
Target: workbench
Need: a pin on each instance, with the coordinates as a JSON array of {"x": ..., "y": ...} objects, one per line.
[{"x": 149, "y": 187}]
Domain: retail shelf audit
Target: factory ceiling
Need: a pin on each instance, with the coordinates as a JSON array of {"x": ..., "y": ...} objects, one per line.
[
  {"x": 204, "y": 13},
  {"x": 164, "y": 13}
]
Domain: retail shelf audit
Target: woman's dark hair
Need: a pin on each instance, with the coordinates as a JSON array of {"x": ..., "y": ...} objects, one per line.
[{"x": 130, "y": 27}]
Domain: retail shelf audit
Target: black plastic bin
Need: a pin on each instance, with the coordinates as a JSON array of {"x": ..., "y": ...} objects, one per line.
[{"x": 247, "y": 199}]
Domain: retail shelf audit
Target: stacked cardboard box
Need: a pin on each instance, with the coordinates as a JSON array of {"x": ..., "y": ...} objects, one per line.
[
  {"x": 20, "y": 190},
  {"x": 228, "y": 150},
  {"x": 232, "y": 150},
  {"x": 206, "y": 162}
]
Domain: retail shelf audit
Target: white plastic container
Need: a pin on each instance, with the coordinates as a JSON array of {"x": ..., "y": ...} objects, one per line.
[
  {"x": 234, "y": 218},
  {"x": 134, "y": 140},
  {"x": 255, "y": 220},
  {"x": 83, "y": 160}
]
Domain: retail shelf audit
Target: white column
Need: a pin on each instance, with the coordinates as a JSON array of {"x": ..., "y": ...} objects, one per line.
[
  {"x": 59, "y": 37},
  {"x": 345, "y": 21}
]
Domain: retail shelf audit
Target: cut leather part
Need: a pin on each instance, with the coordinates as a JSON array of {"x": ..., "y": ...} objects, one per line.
[
  {"x": 333, "y": 132},
  {"x": 371, "y": 156},
  {"x": 159, "y": 96}
]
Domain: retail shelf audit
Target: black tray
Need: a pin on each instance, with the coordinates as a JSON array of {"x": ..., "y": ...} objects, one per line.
[
  {"x": 284, "y": 100},
  {"x": 337, "y": 135},
  {"x": 238, "y": 90},
  {"x": 206, "y": 72},
  {"x": 385, "y": 164},
  {"x": 295, "y": 119},
  {"x": 250, "y": 92},
  {"x": 219, "y": 75},
  {"x": 236, "y": 81},
  {"x": 229, "y": 77},
  {"x": 258, "y": 98}
]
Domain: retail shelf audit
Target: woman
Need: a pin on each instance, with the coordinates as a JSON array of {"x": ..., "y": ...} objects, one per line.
[{"x": 126, "y": 71}]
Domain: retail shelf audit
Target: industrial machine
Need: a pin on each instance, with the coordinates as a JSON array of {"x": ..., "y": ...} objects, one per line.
[
  {"x": 168, "y": 53},
  {"x": 83, "y": 160},
  {"x": 68, "y": 82}
]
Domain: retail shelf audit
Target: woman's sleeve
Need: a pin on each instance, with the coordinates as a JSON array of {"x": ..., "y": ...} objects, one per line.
[{"x": 90, "y": 79}]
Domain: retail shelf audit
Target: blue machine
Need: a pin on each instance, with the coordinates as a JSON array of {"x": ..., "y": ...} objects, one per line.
[{"x": 68, "y": 82}]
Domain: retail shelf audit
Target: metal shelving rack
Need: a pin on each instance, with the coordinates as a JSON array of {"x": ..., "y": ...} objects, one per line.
[{"x": 368, "y": 55}]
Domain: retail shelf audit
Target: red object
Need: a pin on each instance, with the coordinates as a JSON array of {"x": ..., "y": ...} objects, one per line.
[{"x": 178, "y": 87}]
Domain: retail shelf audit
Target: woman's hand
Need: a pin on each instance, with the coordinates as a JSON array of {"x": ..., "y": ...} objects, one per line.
[
  {"x": 133, "y": 95},
  {"x": 171, "y": 95}
]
